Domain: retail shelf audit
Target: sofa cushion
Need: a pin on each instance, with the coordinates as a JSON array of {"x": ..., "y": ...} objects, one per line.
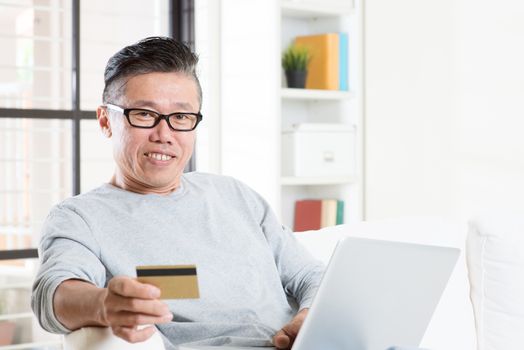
[
  {"x": 102, "y": 338},
  {"x": 495, "y": 255}
]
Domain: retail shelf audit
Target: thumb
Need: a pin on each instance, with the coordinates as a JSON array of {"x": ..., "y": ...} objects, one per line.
[{"x": 282, "y": 340}]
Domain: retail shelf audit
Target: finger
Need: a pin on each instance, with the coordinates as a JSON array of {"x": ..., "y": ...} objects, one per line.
[
  {"x": 130, "y": 319},
  {"x": 281, "y": 340},
  {"x": 291, "y": 329},
  {"x": 134, "y": 335},
  {"x": 129, "y": 287},
  {"x": 141, "y": 306}
]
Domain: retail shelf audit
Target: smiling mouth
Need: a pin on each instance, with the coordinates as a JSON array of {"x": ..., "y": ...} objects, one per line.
[{"x": 158, "y": 156}]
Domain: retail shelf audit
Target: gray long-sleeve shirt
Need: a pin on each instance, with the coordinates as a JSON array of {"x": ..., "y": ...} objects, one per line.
[{"x": 248, "y": 264}]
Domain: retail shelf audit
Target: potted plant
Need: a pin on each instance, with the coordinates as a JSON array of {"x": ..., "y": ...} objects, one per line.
[{"x": 295, "y": 60}]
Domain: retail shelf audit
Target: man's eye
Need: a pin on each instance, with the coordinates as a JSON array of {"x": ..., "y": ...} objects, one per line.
[
  {"x": 181, "y": 116},
  {"x": 142, "y": 114}
]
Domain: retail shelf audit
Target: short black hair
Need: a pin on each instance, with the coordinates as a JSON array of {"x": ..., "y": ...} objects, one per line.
[{"x": 149, "y": 55}]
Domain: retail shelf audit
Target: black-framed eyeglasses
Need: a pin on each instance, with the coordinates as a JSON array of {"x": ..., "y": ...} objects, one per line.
[{"x": 147, "y": 119}]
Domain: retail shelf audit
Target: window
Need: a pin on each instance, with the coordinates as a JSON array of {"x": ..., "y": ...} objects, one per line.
[
  {"x": 51, "y": 79},
  {"x": 50, "y": 147}
]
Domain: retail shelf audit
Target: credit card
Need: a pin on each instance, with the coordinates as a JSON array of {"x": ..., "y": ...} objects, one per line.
[{"x": 174, "y": 281}]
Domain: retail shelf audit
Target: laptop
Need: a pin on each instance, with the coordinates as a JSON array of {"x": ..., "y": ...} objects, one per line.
[{"x": 375, "y": 295}]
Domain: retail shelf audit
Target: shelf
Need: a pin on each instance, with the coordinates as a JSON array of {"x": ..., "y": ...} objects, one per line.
[
  {"x": 309, "y": 94},
  {"x": 17, "y": 272},
  {"x": 6, "y": 317},
  {"x": 53, "y": 343},
  {"x": 315, "y": 181},
  {"x": 300, "y": 9},
  {"x": 20, "y": 285}
]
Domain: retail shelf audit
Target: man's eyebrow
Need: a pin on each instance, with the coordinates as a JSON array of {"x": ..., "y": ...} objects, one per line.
[
  {"x": 184, "y": 105},
  {"x": 148, "y": 103}
]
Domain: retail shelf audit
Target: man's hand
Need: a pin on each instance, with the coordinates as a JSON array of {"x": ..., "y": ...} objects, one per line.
[
  {"x": 124, "y": 305},
  {"x": 129, "y": 304},
  {"x": 286, "y": 336}
]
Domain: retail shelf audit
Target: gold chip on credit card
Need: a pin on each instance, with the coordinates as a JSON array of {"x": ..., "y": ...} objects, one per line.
[{"x": 174, "y": 281}]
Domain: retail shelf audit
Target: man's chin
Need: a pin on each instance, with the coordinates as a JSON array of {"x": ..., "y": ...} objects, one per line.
[{"x": 162, "y": 185}]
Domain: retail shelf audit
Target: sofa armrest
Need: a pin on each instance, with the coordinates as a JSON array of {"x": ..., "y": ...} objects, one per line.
[
  {"x": 102, "y": 338},
  {"x": 495, "y": 256}
]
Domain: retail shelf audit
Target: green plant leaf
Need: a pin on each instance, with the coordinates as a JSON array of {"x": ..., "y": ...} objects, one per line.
[{"x": 296, "y": 58}]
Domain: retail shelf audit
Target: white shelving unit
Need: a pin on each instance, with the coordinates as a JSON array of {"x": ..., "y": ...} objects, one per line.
[
  {"x": 315, "y": 181},
  {"x": 312, "y": 95},
  {"x": 15, "y": 316},
  {"x": 307, "y": 17},
  {"x": 15, "y": 290},
  {"x": 315, "y": 9},
  {"x": 50, "y": 344}
]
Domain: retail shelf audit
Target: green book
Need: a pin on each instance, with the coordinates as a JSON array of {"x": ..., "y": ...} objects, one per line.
[{"x": 340, "y": 212}]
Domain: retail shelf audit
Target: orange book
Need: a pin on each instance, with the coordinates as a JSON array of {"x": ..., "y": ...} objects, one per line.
[
  {"x": 323, "y": 69},
  {"x": 307, "y": 215}
]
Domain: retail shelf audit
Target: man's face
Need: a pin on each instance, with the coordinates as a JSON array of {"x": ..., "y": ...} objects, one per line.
[{"x": 152, "y": 160}]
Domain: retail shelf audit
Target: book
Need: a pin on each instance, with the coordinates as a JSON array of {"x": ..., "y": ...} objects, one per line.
[
  {"x": 323, "y": 69},
  {"x": 340, "y": 212},
  {"x": 307, "y": 215},
  {"x": 343, "y": 62},
  {"x": 329, "y": 213},
  {"x": 314, "y": 214}
]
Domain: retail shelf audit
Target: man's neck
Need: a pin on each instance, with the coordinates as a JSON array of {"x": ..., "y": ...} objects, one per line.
[{"x": 138, "y": 187}]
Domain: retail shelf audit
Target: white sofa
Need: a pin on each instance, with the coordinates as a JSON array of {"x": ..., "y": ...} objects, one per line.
[
  {"x": 102, "y": 338},
  {"x": 452, "y": 325},
  {"x": 495, "y": 259},
  {"x": 495, "y": 249}
]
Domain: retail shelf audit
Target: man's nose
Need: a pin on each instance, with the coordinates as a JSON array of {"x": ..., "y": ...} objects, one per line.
[{"x": 163, "y": 132}]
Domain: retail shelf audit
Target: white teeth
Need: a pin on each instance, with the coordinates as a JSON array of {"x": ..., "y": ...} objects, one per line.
[{"x": 159, "y": 156}]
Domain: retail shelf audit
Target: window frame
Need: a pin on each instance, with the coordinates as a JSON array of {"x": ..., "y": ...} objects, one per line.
[{"x": 181, "y": 27}]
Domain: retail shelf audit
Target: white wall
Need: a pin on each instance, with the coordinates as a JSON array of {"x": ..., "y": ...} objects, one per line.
[
  {"x": 443, "y": 106},
  {"x": 491, "y": 79},
  {"x": 239, "y": 75}
]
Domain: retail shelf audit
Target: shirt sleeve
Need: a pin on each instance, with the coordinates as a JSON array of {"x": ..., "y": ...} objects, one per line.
[
  {"x": 299, "y": 271},
  {"x": 67, "y": 250}
]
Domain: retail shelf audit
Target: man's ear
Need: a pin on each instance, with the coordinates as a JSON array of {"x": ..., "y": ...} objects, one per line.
[{"x": 103, "y": 121}]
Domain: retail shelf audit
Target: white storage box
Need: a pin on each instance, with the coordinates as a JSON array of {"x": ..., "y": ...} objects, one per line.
[{"x": 318, "y": 150}]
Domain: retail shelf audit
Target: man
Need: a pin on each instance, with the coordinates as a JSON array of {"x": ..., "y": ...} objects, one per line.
[{"x": 152, "y": 214}]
